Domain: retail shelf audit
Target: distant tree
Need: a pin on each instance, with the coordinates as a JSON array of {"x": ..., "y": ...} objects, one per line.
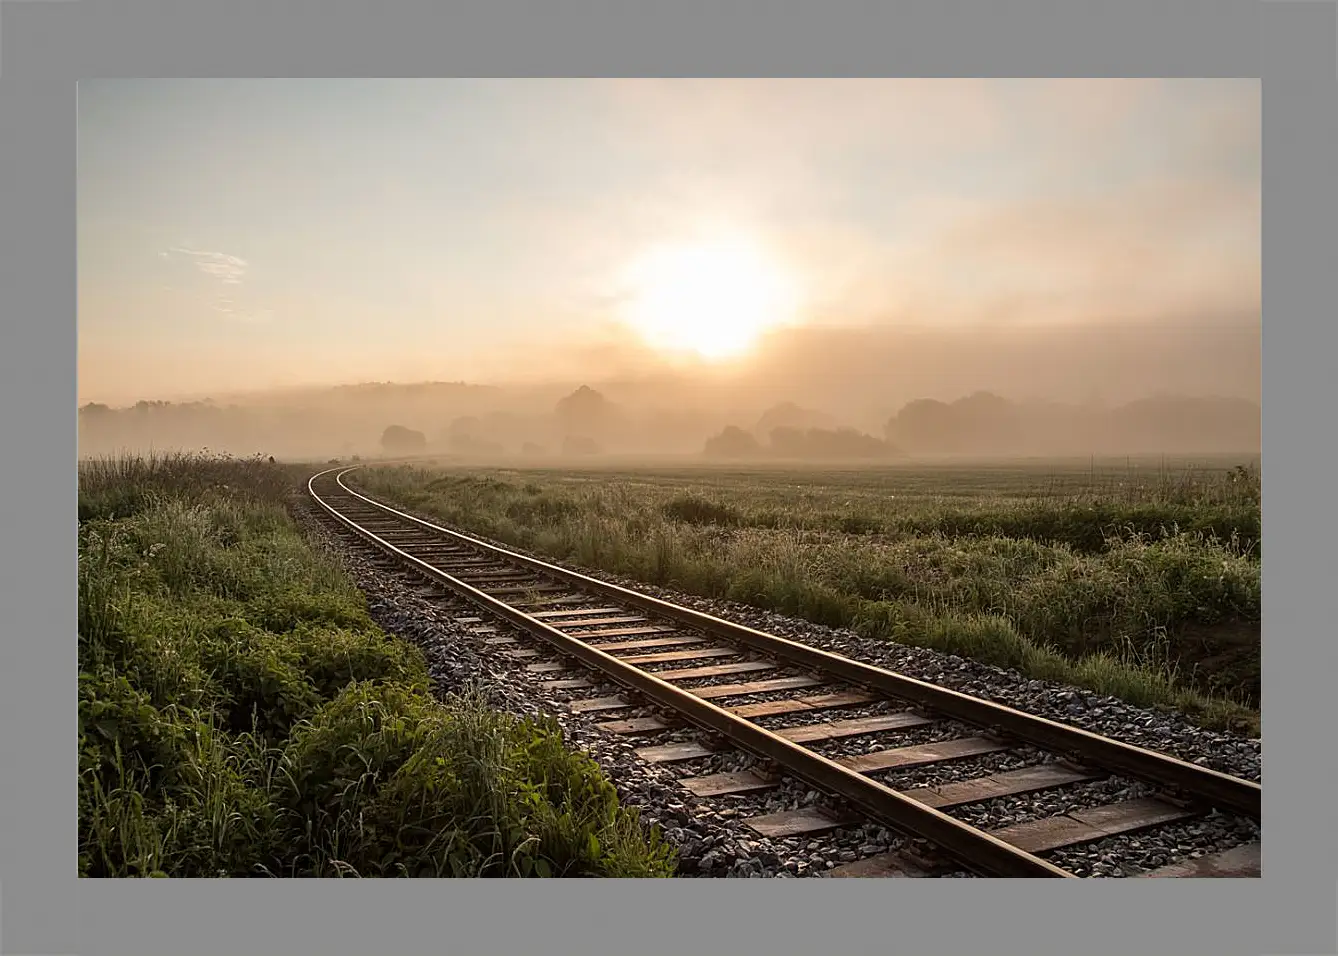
[
  {"x": 924, "y": 425},
  {"x": 830, "y": 444},
  {"x": 397, "y": 439},
  {"x": 790, "y": 415},
  {"x": 987, "y": 422},
  {"x": 980, "y": 422},
  {"x": 839, "y": 443},
  {"x": 465, "y": 427},
  {"x": 584, "y": 411},
  {"x": 732, "y": 442},
  {"x": 787, "y": 442}
]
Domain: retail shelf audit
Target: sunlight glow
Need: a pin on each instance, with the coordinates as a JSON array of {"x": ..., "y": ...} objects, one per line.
[{"x": 714, "y": 298}]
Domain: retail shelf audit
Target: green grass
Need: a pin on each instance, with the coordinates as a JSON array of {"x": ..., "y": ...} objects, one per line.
[
  {"x": 241, "y": 715},
  {"x": 1139, "y": 580}
]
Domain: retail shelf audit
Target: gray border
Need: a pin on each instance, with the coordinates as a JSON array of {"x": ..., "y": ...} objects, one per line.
[{"x": 46, "y": 45}]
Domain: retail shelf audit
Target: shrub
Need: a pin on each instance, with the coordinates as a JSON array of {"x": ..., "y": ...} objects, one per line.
[
  {"x": 693, "y": 509},
  {"x": 261, "y": 684},
  {"x": 122, "y": 732},
  {"x": 333, "y": 657},
  {"x": 403, "y": 786}
]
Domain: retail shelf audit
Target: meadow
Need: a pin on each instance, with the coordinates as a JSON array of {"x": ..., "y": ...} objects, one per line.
[
  {"x": 1139, "y": 579},
  {"x": 240, "y": 714}
]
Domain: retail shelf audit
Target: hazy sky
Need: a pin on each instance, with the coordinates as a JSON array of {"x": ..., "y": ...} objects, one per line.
[{"x": 239, "y": 234}]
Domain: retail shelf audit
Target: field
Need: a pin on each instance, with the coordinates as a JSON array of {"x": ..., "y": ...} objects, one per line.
[
  {"x": 1137, "y": 579},
  {"x": 241, "y": 715}
]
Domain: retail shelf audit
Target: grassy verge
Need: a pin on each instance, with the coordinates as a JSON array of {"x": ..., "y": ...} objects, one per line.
[
  {"x": 1147, "y": 590},
  {"x": 241, "y": 715}
]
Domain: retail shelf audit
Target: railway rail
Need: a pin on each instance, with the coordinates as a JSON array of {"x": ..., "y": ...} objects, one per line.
[{"x": 674, "y": 658}]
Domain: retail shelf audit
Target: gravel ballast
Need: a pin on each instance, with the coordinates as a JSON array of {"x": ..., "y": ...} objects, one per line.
[
  {"x": 710, "y": 835},
  {"x": 708, "y": 844}
]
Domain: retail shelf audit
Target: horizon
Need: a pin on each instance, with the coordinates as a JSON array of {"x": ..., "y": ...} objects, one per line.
[{"x": 224, "y": 399}]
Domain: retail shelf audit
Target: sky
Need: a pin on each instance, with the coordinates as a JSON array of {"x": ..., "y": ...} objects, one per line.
[{"x": 251, "y": 234}]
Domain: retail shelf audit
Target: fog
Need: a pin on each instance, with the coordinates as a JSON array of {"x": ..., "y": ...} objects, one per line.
[
  {"x": 895, "y": 391},
  {"x": 945, "y": 266}
]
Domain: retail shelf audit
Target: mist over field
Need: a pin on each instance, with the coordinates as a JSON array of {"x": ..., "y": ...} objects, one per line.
[{"x": 1072, "y": 391}]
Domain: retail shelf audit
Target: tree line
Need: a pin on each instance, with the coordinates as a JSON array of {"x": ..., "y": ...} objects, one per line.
[
  {"x": 584, "y": 422},
  {"x": 987, "y": 424}
]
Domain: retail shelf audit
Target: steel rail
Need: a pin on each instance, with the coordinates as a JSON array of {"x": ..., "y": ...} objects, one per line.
[
  {"x": 978, "y": 851},
  {"x": 1219, "y": 790}
]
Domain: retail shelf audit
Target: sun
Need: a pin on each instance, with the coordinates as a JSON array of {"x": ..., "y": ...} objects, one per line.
[{"x": 714, "y": 298}]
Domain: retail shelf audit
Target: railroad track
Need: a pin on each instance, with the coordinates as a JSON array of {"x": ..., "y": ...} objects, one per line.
[{"x": 701, "y": 686}]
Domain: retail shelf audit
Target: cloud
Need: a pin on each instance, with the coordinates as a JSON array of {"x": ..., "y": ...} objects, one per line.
[
  {"x": 227, "y": 269},
  {"x": 232, "y": 310}
]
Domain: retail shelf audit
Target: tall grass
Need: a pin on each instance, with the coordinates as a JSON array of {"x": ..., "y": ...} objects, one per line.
[
  {"x": 122, "y": 486},
  {"x": 1146, "y": 589},
  {"x": 241, "y": 715}
]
